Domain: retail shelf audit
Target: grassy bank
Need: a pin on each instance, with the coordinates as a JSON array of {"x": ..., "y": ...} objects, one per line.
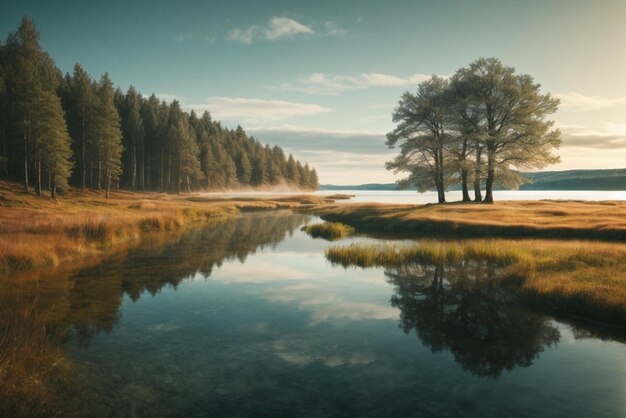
[
  {"x": 328, "y": 230},
  {"x": 40, "y": 232},
  {"x": 580, "y": 278},
  {"x": 547, "y": 219}
]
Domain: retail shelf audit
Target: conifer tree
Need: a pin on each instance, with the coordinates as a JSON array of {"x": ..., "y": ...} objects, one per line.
[
  {"x": 107, "y": 135},
  {"x": 78, "y": 100}
]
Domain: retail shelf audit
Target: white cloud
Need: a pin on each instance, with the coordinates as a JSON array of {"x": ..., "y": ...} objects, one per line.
[
  {"x": 332, "y": 29},
  {"x": 245, "y": 36},
  {"x": 580, "y": 102},
  {"x": 283, "y": 27},
  {"x": 333, "y": 84},
  {"x": 243, "y": 110},
  {"x": 277, "y": 28}
]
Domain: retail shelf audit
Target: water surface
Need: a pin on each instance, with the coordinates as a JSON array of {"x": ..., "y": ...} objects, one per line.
[{"x": 249, "y": 319}]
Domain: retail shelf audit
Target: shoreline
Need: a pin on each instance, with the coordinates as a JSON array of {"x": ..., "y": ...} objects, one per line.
[
  {"x": 37, "y": 232},
  {"x": 598, "y": 220}
]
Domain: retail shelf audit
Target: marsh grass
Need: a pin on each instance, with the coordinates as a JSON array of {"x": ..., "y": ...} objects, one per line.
[
  {"x": 513, "y": 219},
  {"x": 30, "y": 359},
  {"x": 40, "y": 232},
  {"x": 328, "y": 230},
  {"x": 582, "y": 278}
]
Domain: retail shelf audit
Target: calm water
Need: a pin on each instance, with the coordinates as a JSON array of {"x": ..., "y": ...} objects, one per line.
[
  {"x": 451, "y": 196},
  {"x": 249, "y": 319}
]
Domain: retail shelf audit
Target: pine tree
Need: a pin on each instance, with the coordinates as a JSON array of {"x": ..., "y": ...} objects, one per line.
[
  {"x": 78, "y": 99},
  {"x": 293, "y": 175},
  {"x": 133, "y": 134},
  {"x": 244, "y": 169},
  {"x": 54, "y": 149},
  {"x": 107, "y": 134}
]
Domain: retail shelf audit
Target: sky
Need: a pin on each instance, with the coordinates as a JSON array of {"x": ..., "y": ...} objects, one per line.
[{"x": 321, "y": 78}]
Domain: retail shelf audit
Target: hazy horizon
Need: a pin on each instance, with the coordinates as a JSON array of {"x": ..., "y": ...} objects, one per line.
[{"x": 321, "y": 80}]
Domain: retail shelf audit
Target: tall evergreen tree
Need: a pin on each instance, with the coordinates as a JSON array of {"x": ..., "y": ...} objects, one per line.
[
  {"x": 78, "y": 99},
  {"x": 107, "y": 135},
  {"x": 55, "y": 152}
]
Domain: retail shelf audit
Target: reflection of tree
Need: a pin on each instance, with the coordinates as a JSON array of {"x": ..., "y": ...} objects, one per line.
[
  {"x": 35, "y": 309},
  {"x": 459, "y": 308},
  {"x": 88, "y": 301}
]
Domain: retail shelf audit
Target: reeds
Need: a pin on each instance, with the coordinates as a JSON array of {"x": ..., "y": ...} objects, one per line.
[
  {"x": 548, "y": 219},
  {"x": 583, "y": 278},
  {"x": 328, "y": 230}
]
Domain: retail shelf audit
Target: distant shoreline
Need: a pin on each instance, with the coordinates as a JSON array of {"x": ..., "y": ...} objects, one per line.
[{"x": 568, "y": 180}]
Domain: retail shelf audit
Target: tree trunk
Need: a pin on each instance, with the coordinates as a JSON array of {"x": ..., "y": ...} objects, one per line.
[
  {"x": 99, "y": 175},
  {"x": 442, "y": 185},
  {"x": 134, "y": 165},
  {"x": 464, "y": 175},
  {"x": 38, "y": 174},
  {"x": 490, "y": 177},
  {"x": 91, "y": 174},
  {"x": 477, "y": 175},
  {"x": 108, "y": 183},
  {"x": 53, "y": 191},
  {"x": 82, "y": 158},
  {"x": 180, "y": 176},
  {"x": 464, "y": 171},
  {"x": 169, "y": 174},
  {"x": 188, "y": 185},
  {"x": 161, "y": 170},
  {"x": 26, "y": 186}
]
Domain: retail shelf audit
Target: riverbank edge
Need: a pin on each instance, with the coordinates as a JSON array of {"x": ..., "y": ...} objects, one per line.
[
  {"x": 38, "y": 232},
  {"x": 550, "y": 219}
]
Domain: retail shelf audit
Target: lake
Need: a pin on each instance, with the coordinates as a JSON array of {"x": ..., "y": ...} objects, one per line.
[
  {"x": 412, "y": 197},
  {"x": 248, "y": 318}
]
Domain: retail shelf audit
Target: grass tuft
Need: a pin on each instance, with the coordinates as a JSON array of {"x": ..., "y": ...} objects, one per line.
[{"x": 328, "y": 230}]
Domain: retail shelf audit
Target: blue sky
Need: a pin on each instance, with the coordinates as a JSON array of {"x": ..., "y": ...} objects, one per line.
[{"x": 321, "y": 78}]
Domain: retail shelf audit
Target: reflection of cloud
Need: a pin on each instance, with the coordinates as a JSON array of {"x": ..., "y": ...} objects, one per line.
[
  {"x": 297, "y": 352},
  {"x": 325, "y": 305},
  {"x": 164, "y": 327},
  {"x": 333, "y": 84},
  {"x": 580, "y": 102},
  {"x": 255, "y": 110},
  {"x": 263, "y": 272}
]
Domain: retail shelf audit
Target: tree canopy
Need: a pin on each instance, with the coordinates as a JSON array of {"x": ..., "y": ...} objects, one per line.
[
  {"x": 486, "y": 112},
  {"x": 71, "y": 129}
]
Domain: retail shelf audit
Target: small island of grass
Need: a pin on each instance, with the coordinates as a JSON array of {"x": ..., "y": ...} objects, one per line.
[{"x": 328, "y": 230}]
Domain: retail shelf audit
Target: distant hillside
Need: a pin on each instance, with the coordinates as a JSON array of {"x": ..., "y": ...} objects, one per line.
[{"x": 614, "y": 179}]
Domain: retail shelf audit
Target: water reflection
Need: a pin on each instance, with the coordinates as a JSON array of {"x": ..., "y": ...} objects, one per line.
[
  {"x": 458, "y": 308},
  {"x": 97, "y": 293},
  {"x": 40, "y": 309}
]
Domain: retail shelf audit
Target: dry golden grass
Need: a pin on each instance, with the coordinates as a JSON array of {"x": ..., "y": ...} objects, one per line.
[
  {"x": 328, "y": 230},
  {"x": 583, "y": 278},
  {"x": 559, "y": 219},
  {"x": 29, "y": 358},
  {"x": 40, "y": 232}
]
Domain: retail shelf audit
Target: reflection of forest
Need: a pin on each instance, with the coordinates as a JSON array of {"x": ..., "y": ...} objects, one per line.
[
  {"x": 88, "y": 301},
  {"x": 459, "y": 308}
]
